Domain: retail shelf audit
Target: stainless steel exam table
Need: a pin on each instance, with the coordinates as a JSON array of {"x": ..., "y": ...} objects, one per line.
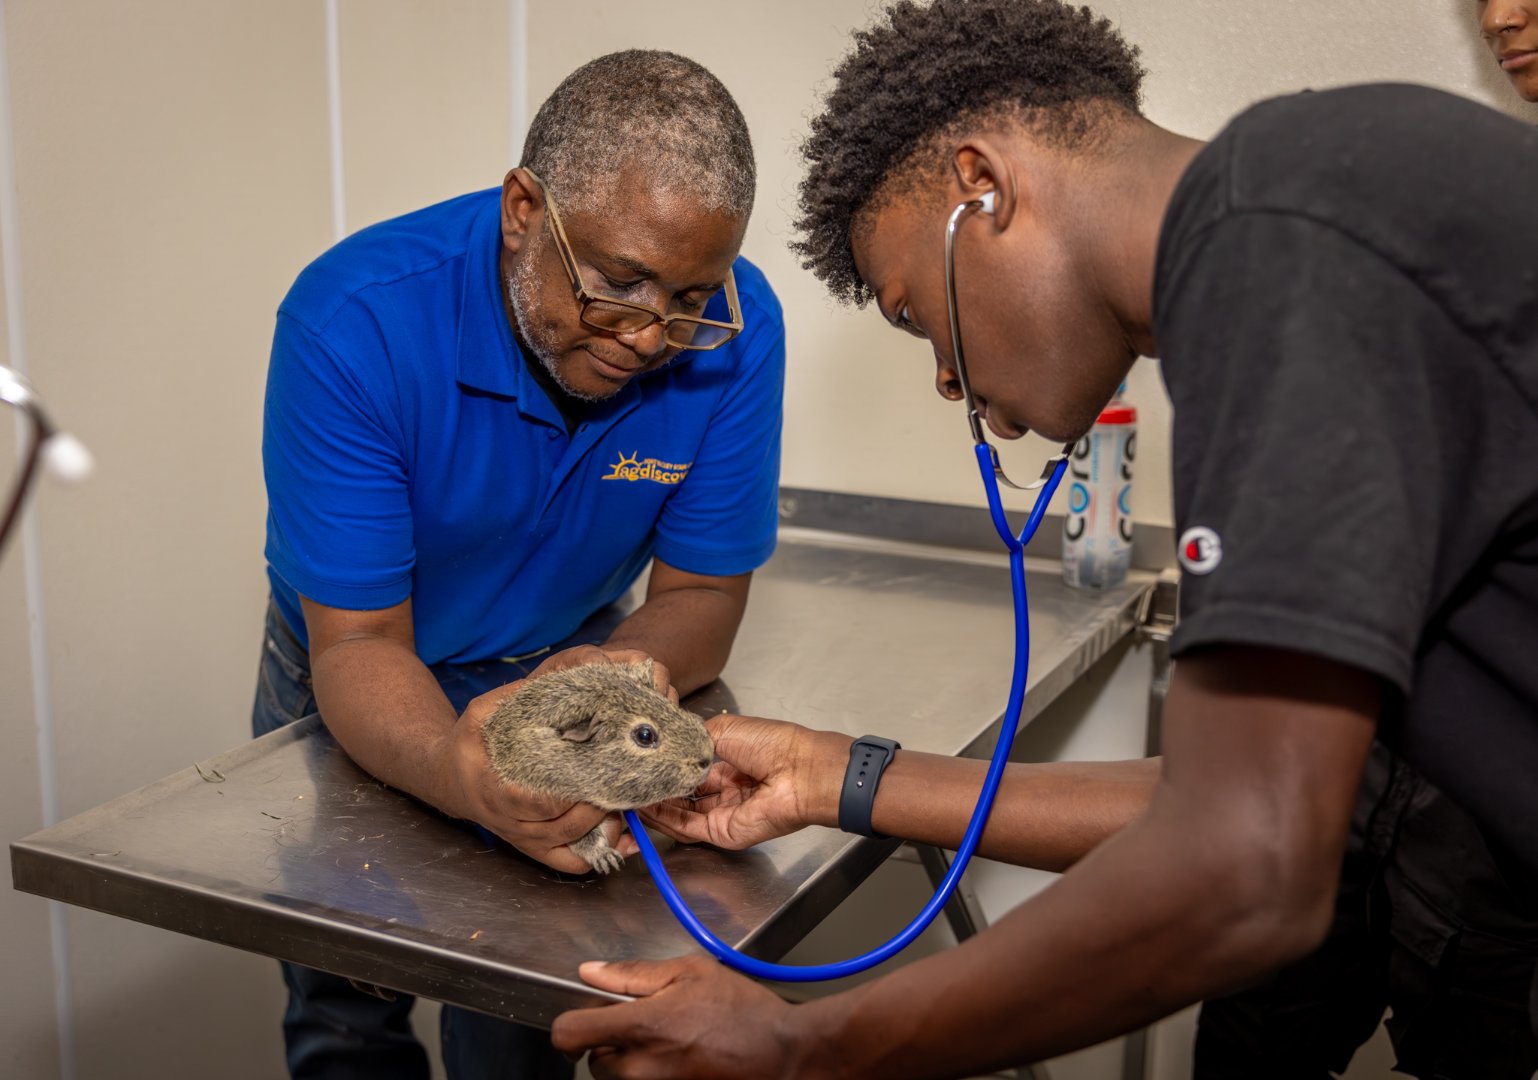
[{"x": 284, "y": 847}]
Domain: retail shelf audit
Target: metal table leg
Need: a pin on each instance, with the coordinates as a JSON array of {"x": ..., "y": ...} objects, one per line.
[
  {"x": 1156, "y": 621},
  {"x": 962, "y": 910},
  {"x": 966, "y": 919}
]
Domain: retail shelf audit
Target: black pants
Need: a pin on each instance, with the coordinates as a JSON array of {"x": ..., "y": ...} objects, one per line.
[{"x": 1427, "y": 925}]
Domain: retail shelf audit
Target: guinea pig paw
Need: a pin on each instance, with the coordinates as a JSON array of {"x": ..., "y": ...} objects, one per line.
[
  {"x": 595, "y": 849},
  {"x": 606, "y": 861}
]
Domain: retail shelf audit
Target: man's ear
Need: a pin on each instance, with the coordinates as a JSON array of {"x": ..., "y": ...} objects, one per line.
[
  {"x": 979, "y": 168},
  {"x": 521, "y": 200}
]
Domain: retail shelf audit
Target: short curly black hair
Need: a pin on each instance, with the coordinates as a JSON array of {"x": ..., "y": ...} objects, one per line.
[{"x": 924, "y": 69}]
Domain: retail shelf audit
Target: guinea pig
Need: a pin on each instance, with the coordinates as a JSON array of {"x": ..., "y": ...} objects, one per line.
[{"x": 600, "y": 734}]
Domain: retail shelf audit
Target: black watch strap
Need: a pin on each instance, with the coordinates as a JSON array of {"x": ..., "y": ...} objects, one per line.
[{"x": 868, "y": 758}]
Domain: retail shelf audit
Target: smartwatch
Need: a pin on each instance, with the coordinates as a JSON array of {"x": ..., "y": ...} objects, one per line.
[{"x": 868, "y": 758}]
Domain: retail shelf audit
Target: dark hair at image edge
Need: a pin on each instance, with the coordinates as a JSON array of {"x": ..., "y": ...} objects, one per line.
[{"x": 921, "y": 70}]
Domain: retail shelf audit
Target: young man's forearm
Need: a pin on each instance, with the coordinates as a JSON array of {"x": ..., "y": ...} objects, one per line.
[
  {"x": 1154, "y": 919},
  {"x": 1046, "y": 816},
  {"x": 1230, "y": 872}
]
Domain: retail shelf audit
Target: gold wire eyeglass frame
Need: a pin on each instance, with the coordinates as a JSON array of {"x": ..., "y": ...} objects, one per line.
[{"x": 623, "y": 317}]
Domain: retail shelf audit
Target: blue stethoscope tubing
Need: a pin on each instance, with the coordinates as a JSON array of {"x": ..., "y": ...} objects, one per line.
[{"x": 763, "y": 969}]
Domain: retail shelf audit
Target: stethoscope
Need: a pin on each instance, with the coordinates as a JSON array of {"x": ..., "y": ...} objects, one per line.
[
  {"x": 993, "y": 475},
  {"x": 66, "y": 456}
]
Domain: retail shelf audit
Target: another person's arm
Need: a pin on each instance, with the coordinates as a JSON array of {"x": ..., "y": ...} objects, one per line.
[
  {"x": 386, "y": 709},
  {"x": 1230, "y": 873},
  {"x": 775, "y": 777},
  {"x": 687, "y": 624}
]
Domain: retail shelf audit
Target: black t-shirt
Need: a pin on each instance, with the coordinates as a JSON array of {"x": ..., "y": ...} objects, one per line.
[{"x": 1346, "y": 308}]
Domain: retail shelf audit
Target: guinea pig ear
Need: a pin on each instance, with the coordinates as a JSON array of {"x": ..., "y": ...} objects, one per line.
[{"x": 578, "y": 729}]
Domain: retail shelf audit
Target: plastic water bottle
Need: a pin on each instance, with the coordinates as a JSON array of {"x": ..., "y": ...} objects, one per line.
[{"x": 1097, "y": 532}]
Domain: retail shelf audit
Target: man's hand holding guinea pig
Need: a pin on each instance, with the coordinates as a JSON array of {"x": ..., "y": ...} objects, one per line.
[
  {"x": 603, "y": 654},
  {"x": 772, "y": 779},
  {"x": 538, "y": 825}
]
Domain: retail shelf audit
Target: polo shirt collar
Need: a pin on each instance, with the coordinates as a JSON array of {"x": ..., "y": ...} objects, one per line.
[{"x": 487, "y": 357}]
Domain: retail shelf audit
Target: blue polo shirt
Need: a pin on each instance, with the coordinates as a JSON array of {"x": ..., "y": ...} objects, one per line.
[{"x": 409, "y": 453}]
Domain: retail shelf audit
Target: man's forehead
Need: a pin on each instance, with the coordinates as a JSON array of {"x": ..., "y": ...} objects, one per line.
[{"x": 648, "y": 227}]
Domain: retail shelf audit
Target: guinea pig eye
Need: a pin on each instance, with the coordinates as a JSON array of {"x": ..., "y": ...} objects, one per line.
[{"x": 644, "y": 735}]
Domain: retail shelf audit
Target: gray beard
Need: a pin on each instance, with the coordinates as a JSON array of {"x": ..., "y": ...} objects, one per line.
[{"x": 542, "y": 341}]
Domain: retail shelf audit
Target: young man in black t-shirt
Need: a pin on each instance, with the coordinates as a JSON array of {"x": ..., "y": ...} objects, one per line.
[
  {"x": 1426, "y": 921},
  {"x": 1343, "y": 289}
]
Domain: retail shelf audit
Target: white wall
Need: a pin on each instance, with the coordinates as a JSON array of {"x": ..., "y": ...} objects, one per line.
[
  {"x": 861, "y": 412},
  {"x": 173, "y": 170}
]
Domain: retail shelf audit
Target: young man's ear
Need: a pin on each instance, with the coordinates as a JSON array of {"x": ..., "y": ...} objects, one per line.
[
  {"x": 521, "y": 197},
  {"x": 981, "y": 172}
]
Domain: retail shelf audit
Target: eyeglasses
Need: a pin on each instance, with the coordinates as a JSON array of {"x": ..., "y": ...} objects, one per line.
[
  {"x": 962, "y": 211},
  {"x": 41, "y": 441},
  {"x": 622, "y": 317}
]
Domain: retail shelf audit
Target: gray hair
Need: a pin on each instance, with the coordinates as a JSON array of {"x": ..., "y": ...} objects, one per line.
[{"x": 657, "y": 110}]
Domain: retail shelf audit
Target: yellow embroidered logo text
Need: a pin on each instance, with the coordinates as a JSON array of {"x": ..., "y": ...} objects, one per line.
[{"x": 658, "y": 472}]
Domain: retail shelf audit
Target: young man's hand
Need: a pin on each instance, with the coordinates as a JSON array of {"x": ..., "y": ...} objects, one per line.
[
  {"x": 694, "y": 1019},
  {"x": 772, "y": 778}
]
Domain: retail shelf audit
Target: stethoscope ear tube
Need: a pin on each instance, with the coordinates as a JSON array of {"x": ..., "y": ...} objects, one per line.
[
  {"x": 1010, "y": 723},
  {"x": 64, "y": 455}
]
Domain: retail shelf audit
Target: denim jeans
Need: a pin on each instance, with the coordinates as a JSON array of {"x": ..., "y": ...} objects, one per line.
[{"x": 332, "y": 1030}]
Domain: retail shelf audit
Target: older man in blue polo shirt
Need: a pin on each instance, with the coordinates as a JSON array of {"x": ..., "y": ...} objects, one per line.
[{"x": 484, "y": 421}]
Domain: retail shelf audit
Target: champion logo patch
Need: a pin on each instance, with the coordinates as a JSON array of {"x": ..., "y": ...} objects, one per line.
[{"x": 1200, "y": 550}]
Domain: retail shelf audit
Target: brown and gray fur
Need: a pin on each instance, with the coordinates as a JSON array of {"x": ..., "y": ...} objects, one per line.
[{"x": 579, "y": 734}]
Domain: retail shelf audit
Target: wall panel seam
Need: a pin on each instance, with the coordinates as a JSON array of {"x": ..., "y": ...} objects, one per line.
[
  {"x": 334, "y": 113},
  {"x": 518, "y": 75}
]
